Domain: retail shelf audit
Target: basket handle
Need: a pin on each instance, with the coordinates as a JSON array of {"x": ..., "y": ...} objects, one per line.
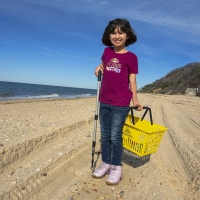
[{"x": 146, "y": 110}]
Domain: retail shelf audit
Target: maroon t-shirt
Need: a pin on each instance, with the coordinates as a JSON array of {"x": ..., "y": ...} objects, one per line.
[{"x": 115, "y": 88}]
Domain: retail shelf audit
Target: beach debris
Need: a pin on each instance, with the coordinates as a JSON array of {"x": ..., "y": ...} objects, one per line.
[
  {"x": 2, "y": 151},
  {"x": 121, "y": 194},
  {"x": 87, "y": 191},
  {"x": 37, "y": 170},
  {"x": 112, "y": 189},
  {"x": 23, "y": 188},
  {"x": 44, "y": 174},
  {"x": 107, "y": 196}
]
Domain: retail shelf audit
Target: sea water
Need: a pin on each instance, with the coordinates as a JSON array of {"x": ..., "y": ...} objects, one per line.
[{"x": 19, "y": 91}]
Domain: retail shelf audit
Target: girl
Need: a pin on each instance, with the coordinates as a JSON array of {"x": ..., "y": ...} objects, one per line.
[{"x": 118, "y": 87}]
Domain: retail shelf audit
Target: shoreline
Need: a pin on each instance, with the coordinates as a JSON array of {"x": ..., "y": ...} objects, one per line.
[
  {"x": 89, "y": 97},
  {"x": 47, "y": 99}
]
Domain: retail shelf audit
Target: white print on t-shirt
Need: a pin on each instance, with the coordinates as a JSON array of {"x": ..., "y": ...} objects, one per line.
[{"x": 113, "y": 65}]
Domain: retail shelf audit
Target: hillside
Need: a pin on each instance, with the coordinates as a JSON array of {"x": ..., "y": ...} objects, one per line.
[{"x": 176, "y": 81}]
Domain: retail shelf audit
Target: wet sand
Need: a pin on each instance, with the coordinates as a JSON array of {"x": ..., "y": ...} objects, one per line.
[{"x": 46, "y": 146}]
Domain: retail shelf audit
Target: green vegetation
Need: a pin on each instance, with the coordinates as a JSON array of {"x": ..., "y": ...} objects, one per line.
[{"x": 176, "y": 81}]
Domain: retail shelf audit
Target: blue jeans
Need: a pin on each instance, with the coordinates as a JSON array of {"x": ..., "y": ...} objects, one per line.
[{"x": 112, "y": 120}]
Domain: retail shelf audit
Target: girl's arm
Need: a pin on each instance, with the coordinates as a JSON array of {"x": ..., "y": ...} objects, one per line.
[
  {"x": 133, "y": 87},
  {"x": 100, "y": 67}
]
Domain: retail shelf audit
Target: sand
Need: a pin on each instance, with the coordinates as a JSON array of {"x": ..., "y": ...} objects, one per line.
[{"x": 46, "y": 147}]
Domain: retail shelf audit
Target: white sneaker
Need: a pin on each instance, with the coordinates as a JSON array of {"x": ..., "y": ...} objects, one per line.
[
  {"x": 102, "y": 170},
  {"x": 115, "y": 175}
]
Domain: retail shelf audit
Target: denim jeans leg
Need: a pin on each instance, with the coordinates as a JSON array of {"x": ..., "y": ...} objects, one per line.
[
  {"x": 112, "y": 120},
  {"x": 118, "y": 117},
  {"x": 105, "y": 116}
]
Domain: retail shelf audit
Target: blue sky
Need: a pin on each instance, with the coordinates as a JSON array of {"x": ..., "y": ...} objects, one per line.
[{"x": 58, "y": 42}]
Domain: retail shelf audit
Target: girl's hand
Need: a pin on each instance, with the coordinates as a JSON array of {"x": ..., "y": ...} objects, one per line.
[
  {"x": 100, "y": 67},
  {"x": 140, "y": 107}
]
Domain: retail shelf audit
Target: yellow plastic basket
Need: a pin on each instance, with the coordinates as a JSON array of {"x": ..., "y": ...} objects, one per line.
[{"x": 141, "y": 136}]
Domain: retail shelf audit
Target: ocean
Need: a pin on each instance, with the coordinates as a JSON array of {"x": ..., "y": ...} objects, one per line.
[{"x": 21, "y": 91}]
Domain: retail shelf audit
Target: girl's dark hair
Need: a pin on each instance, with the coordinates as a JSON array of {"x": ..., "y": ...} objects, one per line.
[{"x": 125, "y": 27}]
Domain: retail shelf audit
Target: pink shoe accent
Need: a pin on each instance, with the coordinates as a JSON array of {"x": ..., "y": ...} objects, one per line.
[
  {"x": 102, "y": 170},
  {"x": 115, "y": 175}
]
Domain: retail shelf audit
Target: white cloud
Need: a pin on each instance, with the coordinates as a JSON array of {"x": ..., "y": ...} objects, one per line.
[{"x": 182, "y": 15}]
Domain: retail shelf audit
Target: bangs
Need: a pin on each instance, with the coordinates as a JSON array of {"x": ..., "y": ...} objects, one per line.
[{"x": 119, "y": 26}]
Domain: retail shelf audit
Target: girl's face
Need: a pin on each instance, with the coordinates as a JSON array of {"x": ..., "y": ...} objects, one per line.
[{"x": 118, "y": 38}]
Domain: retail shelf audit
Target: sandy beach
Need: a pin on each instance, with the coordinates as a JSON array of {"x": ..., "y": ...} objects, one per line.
[{"x": 46, "y": 151}]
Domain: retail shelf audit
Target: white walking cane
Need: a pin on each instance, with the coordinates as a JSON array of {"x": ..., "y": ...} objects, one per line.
[{"x": 96, "y": 119}]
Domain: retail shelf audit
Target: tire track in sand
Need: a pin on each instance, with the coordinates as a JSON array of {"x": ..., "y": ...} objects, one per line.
[
  {"x": 169, "y": 161},
  {"x": 65, "y": 177},
  {"x": 183, "y": 134}
]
